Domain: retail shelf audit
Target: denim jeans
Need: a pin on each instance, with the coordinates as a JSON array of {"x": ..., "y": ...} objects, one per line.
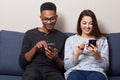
[{"x": 86, "y": 75}]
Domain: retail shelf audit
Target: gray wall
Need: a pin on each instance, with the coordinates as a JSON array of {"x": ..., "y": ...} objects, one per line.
[{"x": 21, "y": 15}]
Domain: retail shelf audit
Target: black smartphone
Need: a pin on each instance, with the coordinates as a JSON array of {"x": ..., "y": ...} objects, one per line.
[
  {"x": 52, "y": 45},
  {"x": 92, "y": 41}
]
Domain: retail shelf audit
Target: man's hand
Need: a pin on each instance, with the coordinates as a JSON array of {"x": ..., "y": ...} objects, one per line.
[
  {"x": 30, "y": 54},
  {"x": 51, "y": 53},
  {"x": 41, "y": 45}
]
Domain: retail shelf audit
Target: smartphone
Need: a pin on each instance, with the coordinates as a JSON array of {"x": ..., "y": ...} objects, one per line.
[
  {"x": 92, "y": 41},
  {"x": 52, "y": 45}
]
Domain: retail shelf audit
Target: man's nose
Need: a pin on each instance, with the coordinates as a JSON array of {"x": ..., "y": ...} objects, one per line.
[{"x": 49, "y": 21}]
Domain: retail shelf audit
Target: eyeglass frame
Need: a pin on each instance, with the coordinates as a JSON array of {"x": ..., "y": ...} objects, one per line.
[{"x": 52, "y": 19}]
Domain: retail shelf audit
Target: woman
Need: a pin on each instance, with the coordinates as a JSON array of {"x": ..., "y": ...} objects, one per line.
[{"x": 84, "y": 60}]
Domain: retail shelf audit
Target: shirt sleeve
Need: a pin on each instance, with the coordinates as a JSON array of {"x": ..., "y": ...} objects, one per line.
[
  {"x": 25, "y": 48},
  {"x": 68, "y": 61},
  {"x": 104, "y": 51}
]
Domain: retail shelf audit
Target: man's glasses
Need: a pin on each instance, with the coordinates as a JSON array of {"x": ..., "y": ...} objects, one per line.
[{"x": 52, "y": 19}]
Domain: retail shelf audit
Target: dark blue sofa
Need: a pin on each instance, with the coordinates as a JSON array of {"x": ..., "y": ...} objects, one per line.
[{"x": 10, "y": 46}]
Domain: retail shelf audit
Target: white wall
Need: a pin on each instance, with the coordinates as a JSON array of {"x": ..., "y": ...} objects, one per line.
[{"x": 21, "y": 15}]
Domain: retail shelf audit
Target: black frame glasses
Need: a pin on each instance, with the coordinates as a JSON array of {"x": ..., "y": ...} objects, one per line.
[{"x": 52, "y": 19}]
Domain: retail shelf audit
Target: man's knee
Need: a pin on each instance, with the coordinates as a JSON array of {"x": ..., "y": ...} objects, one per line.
[
  {"x": 31, "y": 74},
  {"x": 55, "y": 76}
]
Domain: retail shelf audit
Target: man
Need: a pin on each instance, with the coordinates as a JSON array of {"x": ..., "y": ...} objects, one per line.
[{"x": 43, "y": 47}]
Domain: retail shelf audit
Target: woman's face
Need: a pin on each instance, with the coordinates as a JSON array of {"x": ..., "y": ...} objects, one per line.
[{"x": 86, "y": 25}]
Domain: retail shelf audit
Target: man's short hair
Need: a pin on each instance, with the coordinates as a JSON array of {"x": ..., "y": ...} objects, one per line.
[{"x": 48, "y": 6}]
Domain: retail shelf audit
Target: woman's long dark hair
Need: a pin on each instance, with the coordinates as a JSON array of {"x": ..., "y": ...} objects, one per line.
[{"x": 95, "y": 30}]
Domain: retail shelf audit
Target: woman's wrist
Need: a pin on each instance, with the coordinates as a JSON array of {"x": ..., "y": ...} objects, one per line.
[
  {"x": 75, "y": 56},
  {"x": 97, "y": 56}
]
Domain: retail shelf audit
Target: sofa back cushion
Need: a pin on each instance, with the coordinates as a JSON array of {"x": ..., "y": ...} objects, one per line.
[
  {"x": 114, "y": 43},
  {"x": 10, "y": 46}
]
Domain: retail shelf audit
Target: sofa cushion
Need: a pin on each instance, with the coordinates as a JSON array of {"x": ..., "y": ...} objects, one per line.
[
  {"x": 10, "y": 46},
  {"x": 114, "y": 78},
  {"x": 114, "y": 43},
  {"x": 9, "y": 77}
]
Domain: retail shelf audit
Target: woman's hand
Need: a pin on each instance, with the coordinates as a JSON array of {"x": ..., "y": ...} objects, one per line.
[
  {"x": 79, "y": 50},
  {"x": 93, "y": 50}
]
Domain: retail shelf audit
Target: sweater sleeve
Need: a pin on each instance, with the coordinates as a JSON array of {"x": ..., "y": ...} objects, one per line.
[
  {"x": 68, "y": 61},
  {"x": 104, "y": 51}
]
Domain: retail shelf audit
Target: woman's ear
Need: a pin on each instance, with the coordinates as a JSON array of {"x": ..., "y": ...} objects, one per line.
[{"x": 56, "y": 16}]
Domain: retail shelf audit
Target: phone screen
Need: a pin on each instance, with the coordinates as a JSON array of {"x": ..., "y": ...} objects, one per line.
[
  {"x": 52, "y": 45},
  {"x": 93, "y": 42}
]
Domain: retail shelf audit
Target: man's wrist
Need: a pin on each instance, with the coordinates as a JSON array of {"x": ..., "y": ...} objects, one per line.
[{"x": 56, "y": 59}]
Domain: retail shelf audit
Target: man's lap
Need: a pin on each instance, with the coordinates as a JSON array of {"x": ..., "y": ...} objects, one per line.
[{"x": 35, "y": 73}]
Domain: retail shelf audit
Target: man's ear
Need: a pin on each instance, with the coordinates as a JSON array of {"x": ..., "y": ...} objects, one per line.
[{"x": 40, "y": 17}]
